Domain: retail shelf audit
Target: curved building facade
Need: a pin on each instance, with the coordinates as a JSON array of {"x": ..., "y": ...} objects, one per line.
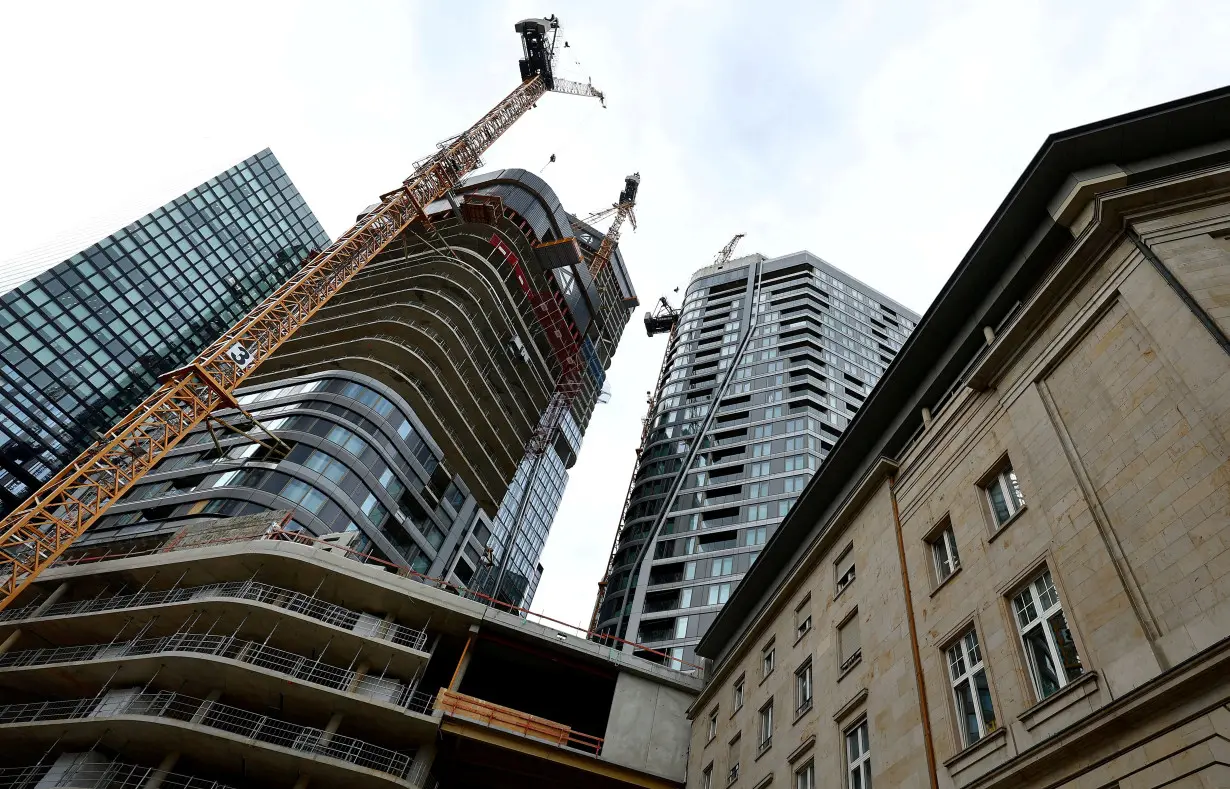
[
  {"x": 400, "y": 413},
  {"x": 769, "y": 361}
]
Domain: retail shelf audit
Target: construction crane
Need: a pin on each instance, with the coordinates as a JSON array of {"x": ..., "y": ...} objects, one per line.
[
  {"x": 35, "y": 534},
  {"x": 568, "y": 349}
]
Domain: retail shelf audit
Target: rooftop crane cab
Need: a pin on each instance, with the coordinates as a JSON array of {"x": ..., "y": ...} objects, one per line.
[{"x": 538, "y": 43}]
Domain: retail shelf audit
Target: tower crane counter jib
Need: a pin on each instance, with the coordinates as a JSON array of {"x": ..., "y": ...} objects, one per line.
[{"x": 35, "y": 534}]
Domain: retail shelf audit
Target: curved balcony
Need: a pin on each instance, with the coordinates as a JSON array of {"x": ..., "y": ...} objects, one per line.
[
  {"x": 265, "y": 658},
  {"x": 262, "y": 606},
  {"x": 296, "y": 602},
  {"x": 263, "y": 742},
  {"x": 96, "y": 775}
]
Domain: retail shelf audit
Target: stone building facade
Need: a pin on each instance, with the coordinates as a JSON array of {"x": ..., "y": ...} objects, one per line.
[{"x": 1014, "y": 568}]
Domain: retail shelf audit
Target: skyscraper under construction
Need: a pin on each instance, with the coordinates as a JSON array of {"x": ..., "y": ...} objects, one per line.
[{"x": 768, "y": 361}]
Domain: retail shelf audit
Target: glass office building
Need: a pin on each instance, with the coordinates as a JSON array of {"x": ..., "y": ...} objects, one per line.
[
  {"x": 770, "y": 360},
  {"x": 83, "y": 343}
]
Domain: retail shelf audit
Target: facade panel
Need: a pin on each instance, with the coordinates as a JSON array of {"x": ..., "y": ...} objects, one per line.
[{"x": 84, "y": 343}]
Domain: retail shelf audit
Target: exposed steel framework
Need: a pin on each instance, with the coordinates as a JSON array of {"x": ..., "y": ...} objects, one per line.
[{"x": 33, "y": 536}]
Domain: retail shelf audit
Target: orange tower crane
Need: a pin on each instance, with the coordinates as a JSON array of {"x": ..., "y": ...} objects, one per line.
[{"x": 34, "y": 535}]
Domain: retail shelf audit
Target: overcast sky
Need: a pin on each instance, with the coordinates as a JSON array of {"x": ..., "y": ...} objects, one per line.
[{"x": 878, "y": 135}]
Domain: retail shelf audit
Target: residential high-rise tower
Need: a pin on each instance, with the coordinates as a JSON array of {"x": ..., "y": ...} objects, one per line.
[{"x": 768, "y": 362}]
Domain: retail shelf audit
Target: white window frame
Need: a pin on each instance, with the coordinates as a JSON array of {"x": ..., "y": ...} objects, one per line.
[
  {"x": 764, "y": 726},
  {"x": 1035, "y": 606},
  {"x": 768, "y": 660},
  {"x": 944, "y": 552},
  {"x": 805, "y": 776},
  {"x": 858, "y": 757},
  {"x": 739, "y": 690},
  {"x": 713, "y": 725},
  {"x": 706, "y": 777},
  {"x": 1008, "y": 485},
  {"x": 803, "y": 687},
  {"x": 965, "y": 664}
]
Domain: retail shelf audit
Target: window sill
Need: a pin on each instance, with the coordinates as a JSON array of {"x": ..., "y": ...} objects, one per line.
[
  {"x": 944, "y": 582},
  {"x": 1003, "y": 527},
  {"x": 850, "y": 664},
  {"x": 1079, "y": 688},
  {"x": 971, "y": 755},
  {"x": 801, "y": 711}
]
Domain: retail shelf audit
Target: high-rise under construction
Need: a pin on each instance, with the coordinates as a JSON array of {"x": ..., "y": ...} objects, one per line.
[{"x": 768, "y": 360}]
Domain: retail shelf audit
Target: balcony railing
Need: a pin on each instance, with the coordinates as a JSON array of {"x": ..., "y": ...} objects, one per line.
[
  {"x": 362, "y": 623},
  {"x": 115, "y": 775},
  {"x": 247, "y": 725},
  {"x": 298, "y": 667}
]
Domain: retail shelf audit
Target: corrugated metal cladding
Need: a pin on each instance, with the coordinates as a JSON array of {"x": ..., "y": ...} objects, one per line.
[{"x": 529, "y": 196}]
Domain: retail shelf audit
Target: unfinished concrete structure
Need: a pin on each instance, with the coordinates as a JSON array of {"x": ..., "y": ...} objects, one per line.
[
  {"x": 402, "y": 410},
  {"x": 1035, "y": 499},
  {"x": 236, "y": 654}
]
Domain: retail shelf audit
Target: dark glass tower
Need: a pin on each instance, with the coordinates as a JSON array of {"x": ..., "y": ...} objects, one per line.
[
  {"x": 83, "y": 343},
  {"x": 769, "y": 361}
]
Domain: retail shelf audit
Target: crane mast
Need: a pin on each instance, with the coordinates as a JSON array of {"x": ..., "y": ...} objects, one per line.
[{"x": 34, "y": 535}]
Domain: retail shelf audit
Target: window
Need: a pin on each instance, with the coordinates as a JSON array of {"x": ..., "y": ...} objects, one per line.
[
  {"x": 858, "y": 758},
  {"x": 758, "y": 490},
  {"x": 805, "y": 776},
  {"x": 718, "y": 594},
  {"x": 848, "y": 646},
  {"x": 681, "y": 627},
  {"x": 794, "y": 484},
  {"x": 802, "y": 687},
  {"x": 739, "y": 693},
  {"x": 944, "y": 552},
  {"x": 802, "y": 617},
  {"x": 760, "y": 469},
  {"x": 723, "y": 566},
  {"x": 706, "y": 777},
  {"x": 732, "y": 774},
  {"x": 768, "y": 660},
  {"x": 761, "y": 450},
  {"x": 975, "y": 713},
  {"x": 755, "y": 536},
  {"x": 1004, "y": 496},
  {"x": 1049, "y": 648},
  {"x": 713, "y": 724},
  {"x": 766, "y": 725},
  {"x": 845, "y": 569}
]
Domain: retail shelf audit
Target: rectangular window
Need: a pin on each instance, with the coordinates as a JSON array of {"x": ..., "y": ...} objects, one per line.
[
  {"x": 802, "y": 687},
  {"x": 713, "y": 724},
  {"x": 1049, "y": 647},
  {"x": 732, "y": 774},
  {"x": 758, "y": 490},
  {"x": 755, "y": 536},
  {"x": 845, "y": 569},
  {"x": 975, "y": 712},
  {"x": 706, "y": 777},
  {"x": 768, "y": 660},
  {"x": 681, "y": 627},
  {"x": 761, "y": 450},
  {"x": 804, "y": 777},
  {"x": 858, "y": 758},
  {"x": 944, "y": 552},
  {"x": 802, "y": 617},
  {"x": 766, "y": 724},
  {"x": 760, "y": 469},
  {"x": 718, "y": 595},
  {"x": 738, "y": 697},
  {"x": 848, "y": 641},
  {"x": 1004, "y": 496}
]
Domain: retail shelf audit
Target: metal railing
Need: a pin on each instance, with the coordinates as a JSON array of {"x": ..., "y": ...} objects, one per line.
[
  {"x": 348, "y": 680},
  {"x": 115, "y": 775},
  {"x": 250, "y": 726},
  {"x": 297, "y": 602}
]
